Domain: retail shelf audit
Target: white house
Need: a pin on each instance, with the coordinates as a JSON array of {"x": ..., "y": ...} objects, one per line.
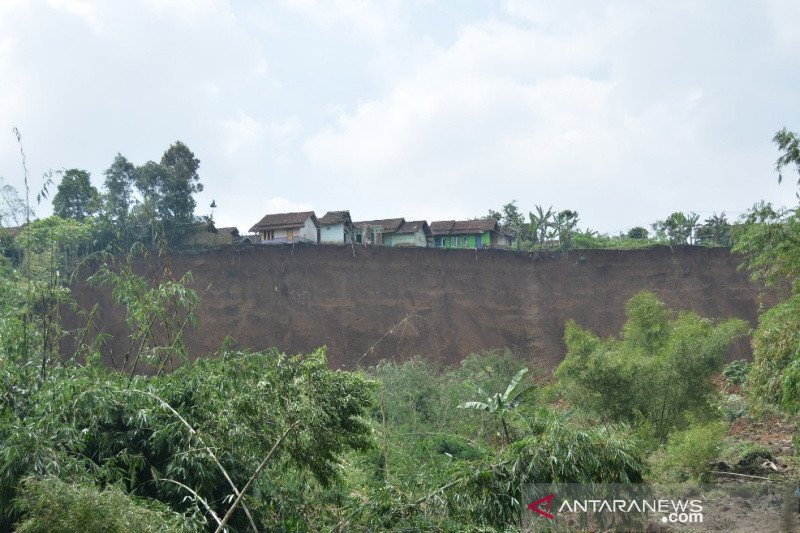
[
  {"x": 335, "y": 227},
  {"x": 287, "y": 228}
]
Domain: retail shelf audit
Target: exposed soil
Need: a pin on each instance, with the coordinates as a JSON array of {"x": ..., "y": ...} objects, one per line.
[{"x": 371, "y": 303}]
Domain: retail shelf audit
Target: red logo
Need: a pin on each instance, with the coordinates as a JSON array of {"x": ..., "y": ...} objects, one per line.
[{"x": 535, "y": 506}]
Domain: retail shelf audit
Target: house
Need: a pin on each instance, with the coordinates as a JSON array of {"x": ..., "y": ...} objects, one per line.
[
  {"x": 376, "y": 231},
  {"x": 230, "y": 233},
  {"x": 287, "y": 228},
  {"x": 393, "y": 232},
  {"x": 335, "y": 227},
  {"x": 414, "y": 233},
  {"x": 480, "y": 233},
  {"x": 206, "y": 234}
]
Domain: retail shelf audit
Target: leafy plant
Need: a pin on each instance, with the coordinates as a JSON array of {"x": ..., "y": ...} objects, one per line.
[
  {"x": 500, "y": 405},
  {"x": 736, "y": 371}
]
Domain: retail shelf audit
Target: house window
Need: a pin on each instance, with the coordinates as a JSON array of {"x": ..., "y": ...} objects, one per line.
[{"x": 270, "y": 234}]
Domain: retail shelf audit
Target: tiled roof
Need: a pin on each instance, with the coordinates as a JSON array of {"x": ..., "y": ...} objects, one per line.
[
  {"x": 335, "y": 217},
  {"x": 453, "y": 227},
  {"x": 413, "y": 227},
  {"x": 389, "y": 225},
  {"x": 283, "y": 220},
  {"x": 229, "y": 231}
]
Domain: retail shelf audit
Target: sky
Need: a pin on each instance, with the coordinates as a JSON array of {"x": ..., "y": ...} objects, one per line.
[{"x": 624, "y": 111}]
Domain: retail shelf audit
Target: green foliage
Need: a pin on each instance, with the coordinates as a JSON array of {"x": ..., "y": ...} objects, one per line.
[
  {"x": 771, "y": 242},
  {"x": 715, "y": 231},
  {"x": 487, "y": 492},
  {"x": 49, "y": 504},
  {"x": 500, "y": 405},
  {"x": 689, "y": 454},
  {"x": 789, "y": 143},
  {"x": 678, "y": 227},
  {"x": 76, "y": 196},
  {"x": 117, "y": 199},
  {"x": 637, "y": 233},
  {"x": 736, "y": 371},
  {"x": 87, "y": 423},
  {"x": 166, "y": 307},
  {"x": 774, "y": 376},
  {"x": 657, "y": 373}
]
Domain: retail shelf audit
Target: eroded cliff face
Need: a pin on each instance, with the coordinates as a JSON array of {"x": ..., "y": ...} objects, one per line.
[{"x": 367, "y": 304}]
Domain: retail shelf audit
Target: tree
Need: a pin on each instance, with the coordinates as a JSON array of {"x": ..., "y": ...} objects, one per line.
[
  {"x": 76, "y": 196},
  {"x": 167, "y": 190},
  {"x": 120, "y": 177},
  {"x": 637, "y": 233},
  {"x": 660, "y": 370},
  {"x": 565, "y": 222},
  {"x": 789, "y": 143},
  {"x": 678, "y": 227},
  {"x": 541, "y": 223},
  {"x": 177, "y": 205},
  {"x": 715, "y": 230},
  {"x": 770, "y": 239},
  {"x": 511, "y": 218}
]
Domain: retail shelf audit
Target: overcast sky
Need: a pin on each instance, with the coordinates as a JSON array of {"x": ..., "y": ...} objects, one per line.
[{"x": 624, "y": 111}]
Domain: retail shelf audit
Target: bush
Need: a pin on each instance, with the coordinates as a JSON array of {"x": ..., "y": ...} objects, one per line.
[
  {"x": 736, "y": 372},
  {"x": 50, "y": 504},
  {"x": 690, "y": 453},
  {"x": 659, "y": 371},
  {"x": 775, "y": 373}
]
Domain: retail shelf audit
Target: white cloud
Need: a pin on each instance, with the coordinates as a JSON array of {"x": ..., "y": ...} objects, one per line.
[
  {"x": 86, "y": 11},
  {"x": 279, "y": 204},
  {"x": 376, "y": 19},
  {"x": 552, "y": 105},
  {"x": 241, "y": 131}
]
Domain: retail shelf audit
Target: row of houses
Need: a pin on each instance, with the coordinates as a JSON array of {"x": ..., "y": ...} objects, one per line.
[{"x": 336, "y": 227}]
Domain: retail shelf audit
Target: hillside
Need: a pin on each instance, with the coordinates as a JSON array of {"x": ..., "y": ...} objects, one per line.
[{"x": 371, "y": 303}]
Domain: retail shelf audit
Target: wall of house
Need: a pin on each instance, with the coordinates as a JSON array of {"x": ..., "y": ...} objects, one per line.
[
  {"x": 332, "y": 234},
  {"x": 409, "y": 239},
  {"x": 464, "y": 241},
  {"x": 309, "y": 231},
  {"x": 375, "y": 302}
]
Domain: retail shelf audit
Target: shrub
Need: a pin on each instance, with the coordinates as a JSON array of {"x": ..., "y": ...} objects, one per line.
[
  {"x": 50, "y": 504},
  {"x": 736, "y": 372},
  {"x": 659, "y": 370},
  {"x": 690, "y": 453},
  {"x": 775, "y": 373}
]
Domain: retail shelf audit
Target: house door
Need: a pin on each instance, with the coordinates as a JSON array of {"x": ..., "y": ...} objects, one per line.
[{"x": 289, "y": 235}]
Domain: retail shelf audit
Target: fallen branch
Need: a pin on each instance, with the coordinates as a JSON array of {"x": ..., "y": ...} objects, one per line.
[{"x": 742, "y": 475}]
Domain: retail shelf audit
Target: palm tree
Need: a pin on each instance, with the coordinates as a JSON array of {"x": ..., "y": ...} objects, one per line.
[{"x": 500, "y": 405}]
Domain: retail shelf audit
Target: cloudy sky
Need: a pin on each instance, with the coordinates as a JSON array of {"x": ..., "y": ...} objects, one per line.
[{"x": 624, "y": 111}]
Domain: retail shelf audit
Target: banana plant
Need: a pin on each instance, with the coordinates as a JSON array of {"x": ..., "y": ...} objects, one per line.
[{"x": 500, "y": 405}]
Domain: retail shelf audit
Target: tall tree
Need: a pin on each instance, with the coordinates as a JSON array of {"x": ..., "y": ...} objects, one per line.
[
  {"x": 679, "y": 227},
  {"x": 181, "y": 183},
  {"x": 167, "y": 190},
  {"x": 119, "y": 181},
  {"x": 76, "y": 196},
  {"x": 714, "y": 230}
]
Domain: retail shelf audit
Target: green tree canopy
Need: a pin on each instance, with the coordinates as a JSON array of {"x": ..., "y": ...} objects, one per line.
[
  {"x": 120, "y": 177},
  {"x": 76, "y": 196}
]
